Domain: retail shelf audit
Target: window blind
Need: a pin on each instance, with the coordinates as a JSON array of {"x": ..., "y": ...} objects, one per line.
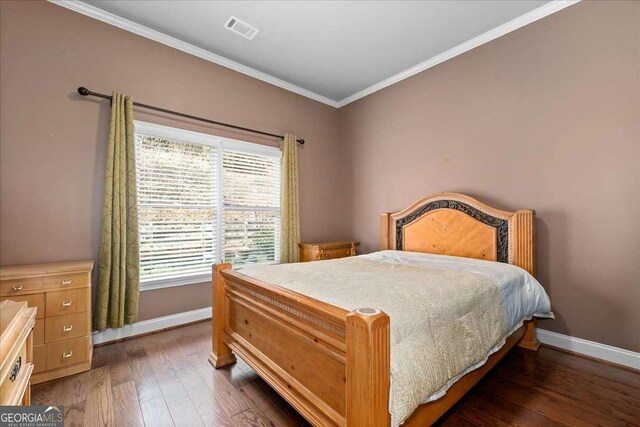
[
  {"x": 251, "y": 200},
  {"x": 178, "y": 207},
  {"x": 202, "y": 200}
]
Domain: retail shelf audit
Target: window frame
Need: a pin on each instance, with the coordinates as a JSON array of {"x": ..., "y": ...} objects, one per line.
[{"x": 220, "y": 144}]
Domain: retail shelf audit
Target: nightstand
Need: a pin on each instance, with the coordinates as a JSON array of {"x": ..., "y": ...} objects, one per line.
[{"x": 327, "y": 250}]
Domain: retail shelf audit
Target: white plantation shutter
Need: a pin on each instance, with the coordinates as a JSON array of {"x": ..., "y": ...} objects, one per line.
[
  {"x": 202, "y": 200},
  {"x": 251, "y": 200}
]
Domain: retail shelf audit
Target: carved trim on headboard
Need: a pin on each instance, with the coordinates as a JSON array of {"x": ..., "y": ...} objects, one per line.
[{"x": 501, "y": 225}]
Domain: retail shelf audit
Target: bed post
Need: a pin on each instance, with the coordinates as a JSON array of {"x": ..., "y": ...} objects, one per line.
[
  {"x": 368, "y": 368},
  {"x": 530, "y": 338},
  {"x": 221, "y": 354},
  {"x": 384, "y": 231},
  {"x": 524, "y": 256}
]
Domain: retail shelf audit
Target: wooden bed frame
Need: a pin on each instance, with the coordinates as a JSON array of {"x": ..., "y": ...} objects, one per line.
[{"x": 332, "y": 365}]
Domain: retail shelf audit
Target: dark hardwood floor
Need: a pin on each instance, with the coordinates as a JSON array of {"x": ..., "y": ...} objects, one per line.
[{"x": 164, "y": 380}]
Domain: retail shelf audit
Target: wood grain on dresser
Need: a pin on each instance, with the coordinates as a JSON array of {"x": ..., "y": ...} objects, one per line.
[
  {"x": 16, "y": 352},
  {"x": 61, "y": 293},
  {"x": 33, "y": 300}
]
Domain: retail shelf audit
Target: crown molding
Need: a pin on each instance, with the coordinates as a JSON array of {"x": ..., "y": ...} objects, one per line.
[
  {"x": 109, "y": 18},
  {"x": 141, "y": 30},
  {"x": 514, "y": 24}
]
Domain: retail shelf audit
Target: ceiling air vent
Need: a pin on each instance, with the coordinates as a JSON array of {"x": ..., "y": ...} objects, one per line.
[{"x": 240, "y": 27}]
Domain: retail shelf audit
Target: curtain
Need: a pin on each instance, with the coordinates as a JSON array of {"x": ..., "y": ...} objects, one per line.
[
  {"x": 289, "y": 203},
  {"x": 119, "y": 258}
]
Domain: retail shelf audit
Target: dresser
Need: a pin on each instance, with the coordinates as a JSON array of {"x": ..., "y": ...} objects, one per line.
[
  {"x": 16, "y": 352},
  {"x": 327, "y": 250},
  {"x": 61, "y": 292}
]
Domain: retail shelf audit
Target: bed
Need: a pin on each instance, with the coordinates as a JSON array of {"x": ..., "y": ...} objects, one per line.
[{"x": 341, "y": 363}]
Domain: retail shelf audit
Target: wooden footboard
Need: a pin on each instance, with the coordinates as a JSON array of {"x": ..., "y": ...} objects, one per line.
[{"x": 303, "y": 347}]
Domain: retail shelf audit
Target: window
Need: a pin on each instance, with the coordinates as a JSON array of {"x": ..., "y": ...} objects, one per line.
[{"x": 201, "y": 200}]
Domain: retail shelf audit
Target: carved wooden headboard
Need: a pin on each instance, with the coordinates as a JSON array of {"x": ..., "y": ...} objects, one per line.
[{"x": 459, "y": 225}]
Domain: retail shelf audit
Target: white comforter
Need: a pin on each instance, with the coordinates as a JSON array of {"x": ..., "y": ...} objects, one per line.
[{"x": 521, "y": 294}]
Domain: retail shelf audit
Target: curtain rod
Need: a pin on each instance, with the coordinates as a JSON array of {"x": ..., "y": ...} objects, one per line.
[{"x": 86, "y": 92}]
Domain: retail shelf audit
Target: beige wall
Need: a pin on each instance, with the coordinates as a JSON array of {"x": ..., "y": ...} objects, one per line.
[
  {"x": 53, "y": 141},
  {"x": 546, "y": 117}
]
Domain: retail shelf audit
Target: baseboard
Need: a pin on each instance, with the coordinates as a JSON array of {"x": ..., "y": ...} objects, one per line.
[
  {"x": 151, "y": 325},
  {"x": 596, "y": 350}
]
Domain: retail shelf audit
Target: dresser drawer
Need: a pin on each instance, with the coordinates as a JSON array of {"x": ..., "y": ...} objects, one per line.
[
  {"x": 61, "y": 281},
  {"x": 33, "y": 300},
  {"x": 67, "y": 302},
  {"x": 17, "y": 391},
  {"x": 336, "y": 253},
  {"x": 13, "y": 385},
  {"x": 65, "y": 327},
  {"x": 17, "y": 286},
  {"x": 39, "y": 358},
  {"x": 65, "y": 353},
  {"x": 38, "y": 332},
  {"x": 327, "y": 250}
]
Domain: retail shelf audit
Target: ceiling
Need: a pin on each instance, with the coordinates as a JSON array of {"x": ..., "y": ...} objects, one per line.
[{"x": 333, "y": 49}]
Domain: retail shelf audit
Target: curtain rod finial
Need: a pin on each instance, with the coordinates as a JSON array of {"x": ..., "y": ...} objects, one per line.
[{"x": 83, "y": 91}]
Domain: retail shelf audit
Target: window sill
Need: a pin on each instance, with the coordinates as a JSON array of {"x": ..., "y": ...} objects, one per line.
[
  {"x": 191, "y": 279},
  {"x": 170, "y": 282}
]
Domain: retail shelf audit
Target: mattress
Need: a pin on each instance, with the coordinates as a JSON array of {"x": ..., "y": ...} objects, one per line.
[{"x": 447, "y": 314}]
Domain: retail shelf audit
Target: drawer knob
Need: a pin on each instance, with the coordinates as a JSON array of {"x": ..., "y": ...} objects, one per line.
[
  {"x": 67, "y": 328},
  {"x": 16, "y": 369},
  {"x": 67, "y": 303},
  {"x": 67, "y": 355},
  {"x": 66, "y": 282},
  {"x": 17, "y": 287}
]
